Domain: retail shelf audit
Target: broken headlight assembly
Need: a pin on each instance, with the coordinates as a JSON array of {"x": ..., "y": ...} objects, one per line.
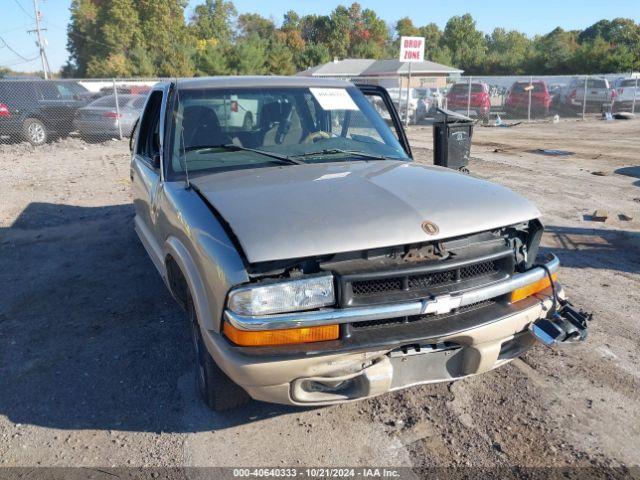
[{"x": 305, "y": 293}]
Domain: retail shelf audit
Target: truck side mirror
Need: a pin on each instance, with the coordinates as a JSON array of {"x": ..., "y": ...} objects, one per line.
[{"x": 155, "y": 160}]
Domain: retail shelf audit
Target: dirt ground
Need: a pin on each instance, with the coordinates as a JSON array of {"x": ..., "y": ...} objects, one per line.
[{"x": 96, "y": 360}]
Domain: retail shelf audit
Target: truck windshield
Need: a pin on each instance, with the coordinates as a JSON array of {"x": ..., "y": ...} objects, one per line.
[{"x": 310, "y": 125}]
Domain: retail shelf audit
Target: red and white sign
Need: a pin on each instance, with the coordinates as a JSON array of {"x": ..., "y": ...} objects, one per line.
[{"x": 411, "y": 49}]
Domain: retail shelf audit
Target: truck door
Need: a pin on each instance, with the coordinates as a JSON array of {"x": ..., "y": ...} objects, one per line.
[
  {"x": 146, "y": 169},
  {"x": 383, "y": 104}
]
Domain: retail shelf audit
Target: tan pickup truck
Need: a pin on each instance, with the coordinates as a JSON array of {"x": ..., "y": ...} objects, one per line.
[{"x": 317, "y": 262}]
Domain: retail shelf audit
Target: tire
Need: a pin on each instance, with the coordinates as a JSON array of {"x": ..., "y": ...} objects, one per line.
[
  {"x": 216, "y": 389},
  {"x": 35, "y": 132},
  {"x": 247, "y": 123}
]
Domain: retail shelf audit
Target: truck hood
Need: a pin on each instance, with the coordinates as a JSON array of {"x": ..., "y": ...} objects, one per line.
[{"x": 298, "y": 211}]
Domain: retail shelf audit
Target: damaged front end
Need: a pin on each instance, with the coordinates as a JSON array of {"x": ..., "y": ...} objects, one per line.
[
  {"x": 565, "y": 325},
  {"x": 420, "y": 313}
]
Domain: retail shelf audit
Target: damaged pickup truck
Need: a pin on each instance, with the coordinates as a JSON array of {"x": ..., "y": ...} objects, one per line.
[{"x": 317, "y": 262}]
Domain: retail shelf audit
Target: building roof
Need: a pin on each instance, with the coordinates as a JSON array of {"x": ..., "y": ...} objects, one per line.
[
  {"x": 348, "y": 67},
  {"x": 352, "y": 67}
]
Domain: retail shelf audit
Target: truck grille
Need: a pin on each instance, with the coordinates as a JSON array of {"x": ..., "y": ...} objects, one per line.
[
  {"x": 364, "y": 288},
  {"x": 417, "y": 318}
]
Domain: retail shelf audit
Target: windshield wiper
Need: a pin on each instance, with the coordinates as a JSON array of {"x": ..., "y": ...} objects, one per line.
[
  {"x": 355, "y": 153},
  {"x": 237, "y": 148}
]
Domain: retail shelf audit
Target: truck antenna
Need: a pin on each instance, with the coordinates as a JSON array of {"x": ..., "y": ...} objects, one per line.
[{"x": 182, "y": 146}]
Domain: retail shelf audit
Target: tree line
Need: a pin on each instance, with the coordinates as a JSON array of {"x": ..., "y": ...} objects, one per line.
[{"x": 122, "y": 38}]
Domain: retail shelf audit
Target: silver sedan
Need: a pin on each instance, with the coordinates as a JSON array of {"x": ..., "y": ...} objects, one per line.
[{"x": 99, "y": 120}]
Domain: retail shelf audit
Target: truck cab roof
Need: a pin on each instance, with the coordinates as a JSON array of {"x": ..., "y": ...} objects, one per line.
[{"x": 265, "y": 81}]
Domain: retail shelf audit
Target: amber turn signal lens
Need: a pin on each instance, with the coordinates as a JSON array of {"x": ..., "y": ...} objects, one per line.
[
  {"x": 246, "y": 338},
  {"x": 532, "y": 288}
]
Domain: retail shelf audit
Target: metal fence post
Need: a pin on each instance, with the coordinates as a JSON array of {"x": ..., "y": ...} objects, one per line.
[
  {"x": 635, "y": 94},
  {"x": 115, "y": 94},
  {"x": 584, "y": 99},
  {"x": 530, "y": 93},
  {"x": 408, "y": 96},
  {"x": 469, "y": 99}
]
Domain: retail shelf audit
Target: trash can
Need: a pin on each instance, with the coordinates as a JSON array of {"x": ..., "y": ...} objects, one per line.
[{"x": 452, "y": 134}]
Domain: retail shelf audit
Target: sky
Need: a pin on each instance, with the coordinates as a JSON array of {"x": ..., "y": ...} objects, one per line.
[{"x": 19, "y": 51}]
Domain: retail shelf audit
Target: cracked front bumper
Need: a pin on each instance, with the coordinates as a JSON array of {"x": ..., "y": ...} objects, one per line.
[{"x": 320, "y": 378}]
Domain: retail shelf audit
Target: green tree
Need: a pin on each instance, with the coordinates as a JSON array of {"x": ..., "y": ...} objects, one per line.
[
  {"x": 166, "y": 34},
  {"x": 508, "y": 53},
  {"x": 338, "y": 39},
  {"x": 435, "y": 50},
  {"x": 466, "y": 44},
  {"x": 211, "y": 58},
  {"x": 248, "y": 56},
  {"x": 554, "y": 53},
  {"x": 315, "y": 29},
  {"x": 406, "y": 28},
  {"x": 291, "y": 21},
  {"x": 598, "y": 55},
  {"x": 82, "y": 27},
  {"x": 253, "y": 23},
  {"x": 368, "y": 33},
  {"x": 280, "y": 59},
  {"x": 214, "y": 19},
  {"x": 312, "y": 55}
]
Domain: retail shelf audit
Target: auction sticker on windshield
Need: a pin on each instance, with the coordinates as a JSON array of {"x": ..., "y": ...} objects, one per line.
[{"x": 334, "y": 98}]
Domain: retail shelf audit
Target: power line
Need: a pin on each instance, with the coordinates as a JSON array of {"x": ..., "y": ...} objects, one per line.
[
  {"x": 5, "y": 44},
  {"x": 79, "y": 35},
  {"x": 15, "y": 29},
  {"x": 21, "y": 62},
  {"x": 23, "y": 9}
]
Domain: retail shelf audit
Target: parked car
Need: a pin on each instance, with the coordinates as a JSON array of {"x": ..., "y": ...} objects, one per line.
[
  {"x": 429, "y": 100},
  {"x": 399, "y": 98},
  {"x": 627, "y": 94},
  {"x": 479, "y": 101},
  {"x": 599, "y": 95},
  {"x": 517, "y": 101},
  {"x": 125, "y": 89},
  {"x": 238, "y": 111},
  {"x": 555, "y": 91},
  {"x": 317, "y": 262},
  {"x": 99, "y": 120},
  {"x": 423, "y": 102},
  {"x": 39, "y": 110}
]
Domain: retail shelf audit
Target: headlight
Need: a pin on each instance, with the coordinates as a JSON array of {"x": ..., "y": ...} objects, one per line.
[{"x": 281, "y": 297}]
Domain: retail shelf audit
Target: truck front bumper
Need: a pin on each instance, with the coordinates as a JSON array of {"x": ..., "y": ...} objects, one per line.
[{"x": 320, "y": 377}]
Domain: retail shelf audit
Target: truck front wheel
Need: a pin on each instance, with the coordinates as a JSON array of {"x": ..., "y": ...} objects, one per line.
[{"x": 217, "y": 390}]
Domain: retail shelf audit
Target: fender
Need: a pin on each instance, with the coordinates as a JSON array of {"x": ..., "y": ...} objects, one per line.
[{"x": 174, "y": 247}]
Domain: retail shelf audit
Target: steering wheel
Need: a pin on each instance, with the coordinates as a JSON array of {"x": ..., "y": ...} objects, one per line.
[{"x": 313, "y": 137}]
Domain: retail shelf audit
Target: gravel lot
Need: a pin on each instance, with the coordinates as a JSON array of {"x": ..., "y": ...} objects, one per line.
[{"x": 96, "y": 361}]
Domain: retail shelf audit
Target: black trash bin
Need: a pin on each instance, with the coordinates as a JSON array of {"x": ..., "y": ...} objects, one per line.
[{"x": 452, "y": 134}]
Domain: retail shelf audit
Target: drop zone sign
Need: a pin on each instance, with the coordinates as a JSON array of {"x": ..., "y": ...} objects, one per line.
[{"x": 411, "y": 49}]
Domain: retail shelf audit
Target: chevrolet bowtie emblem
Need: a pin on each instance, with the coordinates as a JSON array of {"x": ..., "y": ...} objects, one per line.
[
  {"x": 430, "y": 228},
  {"x": 441, "y": 305}
]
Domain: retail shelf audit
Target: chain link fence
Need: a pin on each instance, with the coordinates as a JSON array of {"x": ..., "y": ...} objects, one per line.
[
  {"x": 39, "y": 111},
  {"x": 521, "y": 98}
]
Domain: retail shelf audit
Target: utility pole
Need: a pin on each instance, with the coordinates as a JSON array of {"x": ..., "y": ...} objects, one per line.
[{"x": 43, "y": 56}]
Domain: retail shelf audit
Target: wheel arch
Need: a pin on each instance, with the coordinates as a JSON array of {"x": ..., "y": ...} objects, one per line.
[{"x": 184, "y": 281}]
